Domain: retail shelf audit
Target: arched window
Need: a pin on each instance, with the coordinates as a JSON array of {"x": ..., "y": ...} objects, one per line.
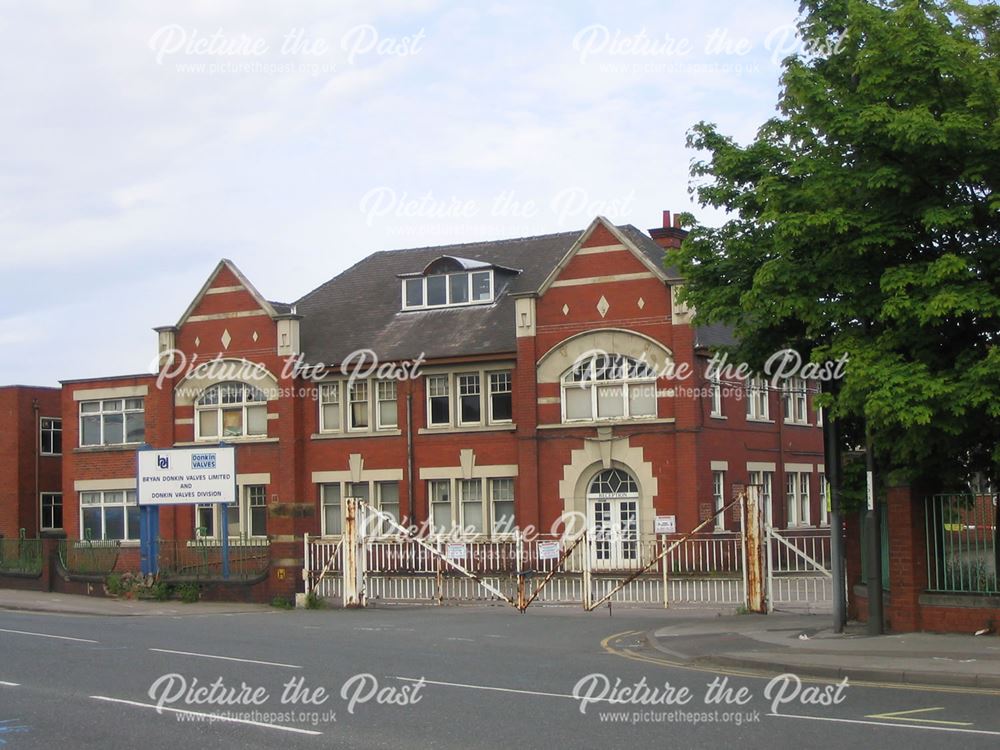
[
  {"x": 230, "y": 410},
  {"x": 609, "y": 386},
  {"x": 613, "y": 483}
]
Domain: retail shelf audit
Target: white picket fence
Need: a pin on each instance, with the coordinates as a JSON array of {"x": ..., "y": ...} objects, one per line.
[{"x": 702, "y": 571}]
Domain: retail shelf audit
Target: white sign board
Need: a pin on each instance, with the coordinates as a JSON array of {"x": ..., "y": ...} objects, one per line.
[
  {"x": 665, "y": 525},
  {"x": 549, "y": 550},
  {"x": 455, "y": 551},
  {"x": 182, "y": 476}
]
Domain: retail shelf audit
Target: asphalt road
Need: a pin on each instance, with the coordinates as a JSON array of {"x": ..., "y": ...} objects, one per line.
[{"x": 428, "y": 677}]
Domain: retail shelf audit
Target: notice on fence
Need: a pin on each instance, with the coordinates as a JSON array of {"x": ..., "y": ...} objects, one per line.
[
  {"x": 549, "y": 550},
  {"x": 456, "y": 551},
  {"x": 665, "y": 525}
]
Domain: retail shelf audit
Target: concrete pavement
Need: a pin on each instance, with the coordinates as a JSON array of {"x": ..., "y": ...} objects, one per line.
[
  {"x": 72, "y": 604},
  {"x": 807, "y": 645}
]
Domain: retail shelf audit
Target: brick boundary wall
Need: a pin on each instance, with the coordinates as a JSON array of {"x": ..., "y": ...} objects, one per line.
[{"x": 909, "y": 607}]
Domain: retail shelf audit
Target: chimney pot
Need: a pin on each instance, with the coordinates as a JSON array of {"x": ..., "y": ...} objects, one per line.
[
  {"x": 666, "y": 220},
  {"x": 677, "y": 221}
]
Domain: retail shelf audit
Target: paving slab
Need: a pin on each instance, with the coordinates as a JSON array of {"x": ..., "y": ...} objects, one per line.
[{"x": 807, "y": 645}]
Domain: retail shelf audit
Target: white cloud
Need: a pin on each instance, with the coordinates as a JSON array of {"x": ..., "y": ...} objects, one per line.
[{"x": 123, "y": 180}]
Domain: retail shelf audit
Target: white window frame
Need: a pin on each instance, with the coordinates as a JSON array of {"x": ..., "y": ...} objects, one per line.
[
  {"x": 719, "y": 498},
  {"x": 452, "y": 516},
  {"x": 220, "y": 514},
  {"x": 764, "y": 480},
  {"x": 795, "y": 402},
  {"x": 103, "y": 504},
  {"x": 797, "y": 499},
  {"x": 461, "y": 485},
  {"x": 103, "y": 411},
  {"x": 351, "y": 401},
  {"x": 715, "y": 395},
  {"x": 485, "y": 395},
  {"x": 460, "y": 394},
  {"x": 448, "y": 288},
  {"x": 324, "y": 503},
  {"x": 824, "y": 498},
  {"x": 493, "y": 483},
  {"x": 42, "y": 496},
  {"x": 382, "y": 388},
  {"x": 219, "y": 408},
  {"x": 325, "y": 389},
  {"x": 374, "y": 492},
  {"x": 438, "y": 378},
  {"x": 758, "y": 401},
  {"x": 53, "y": 428},
  {"x": 456, "y": 502},
  {"x": 576, "y": 377},
  {"x": 508, "y": 375}
]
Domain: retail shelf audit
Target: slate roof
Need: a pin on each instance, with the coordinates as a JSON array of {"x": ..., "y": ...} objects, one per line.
[{"x": 360, "y": 308}]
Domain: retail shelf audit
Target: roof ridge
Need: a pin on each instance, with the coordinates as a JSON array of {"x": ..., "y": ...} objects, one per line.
[{"x": 526, "y": 238}]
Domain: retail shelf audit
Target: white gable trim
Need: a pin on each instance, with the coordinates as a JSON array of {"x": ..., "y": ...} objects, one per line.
[
  {"x": 244, "y": 283},
  {"x": 659, "y": 273}
]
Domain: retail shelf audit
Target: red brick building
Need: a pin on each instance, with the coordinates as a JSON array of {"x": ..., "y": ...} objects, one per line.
[
  {"x": 30, "y": 461},
  {"x": 510, "y": 420}
]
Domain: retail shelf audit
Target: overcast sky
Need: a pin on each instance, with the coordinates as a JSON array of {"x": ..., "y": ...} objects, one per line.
[{"x": 142, "y": 142}]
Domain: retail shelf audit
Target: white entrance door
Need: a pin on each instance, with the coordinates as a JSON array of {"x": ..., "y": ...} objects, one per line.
[{"x": 613, "y": 505}]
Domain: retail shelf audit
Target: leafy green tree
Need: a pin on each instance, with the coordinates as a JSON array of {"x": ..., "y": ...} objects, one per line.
[{"x": 864, "y": 218}]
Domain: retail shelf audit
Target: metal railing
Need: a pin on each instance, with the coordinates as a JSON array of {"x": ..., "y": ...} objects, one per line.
[
  {"x": 800, "y": 552},
  {"x": 962, "y": 552},
  {"x": 89, "y": 556},
  {"x": 21, "y": 556},
  {"x": 200, "y": 559},
  {"x": 707, "y": 555}
]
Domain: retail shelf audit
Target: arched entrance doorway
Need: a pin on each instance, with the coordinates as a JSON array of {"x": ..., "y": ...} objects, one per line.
[{"x": 613, "y": 513}]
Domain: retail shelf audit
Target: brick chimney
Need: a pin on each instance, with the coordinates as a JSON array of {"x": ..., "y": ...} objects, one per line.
[{"x": 670, "y": 234}]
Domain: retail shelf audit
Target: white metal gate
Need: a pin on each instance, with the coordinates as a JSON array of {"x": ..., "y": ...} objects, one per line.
[
  {"x": 799, "y": 569},
  {"x": 675, "y": 570}
]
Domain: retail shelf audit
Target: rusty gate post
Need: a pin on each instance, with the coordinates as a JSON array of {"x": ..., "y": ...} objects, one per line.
[
  {"x": 521, "y": 595},
  {"x": 587, "y": 594},
  {"x": 354, "y": 552},
  {"x": 754, "y": 555},
  {"x": 439, "y": 576}
]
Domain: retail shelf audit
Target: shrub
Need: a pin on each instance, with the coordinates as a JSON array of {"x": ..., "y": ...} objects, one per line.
[
  {"x": 189, "y": 593},
  {"x": 314, "y": 601},
  {"x": 281, "y": 602}
]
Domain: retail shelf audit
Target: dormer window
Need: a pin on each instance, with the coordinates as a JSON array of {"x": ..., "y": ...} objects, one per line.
[{"x": 449, "y": 282}]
